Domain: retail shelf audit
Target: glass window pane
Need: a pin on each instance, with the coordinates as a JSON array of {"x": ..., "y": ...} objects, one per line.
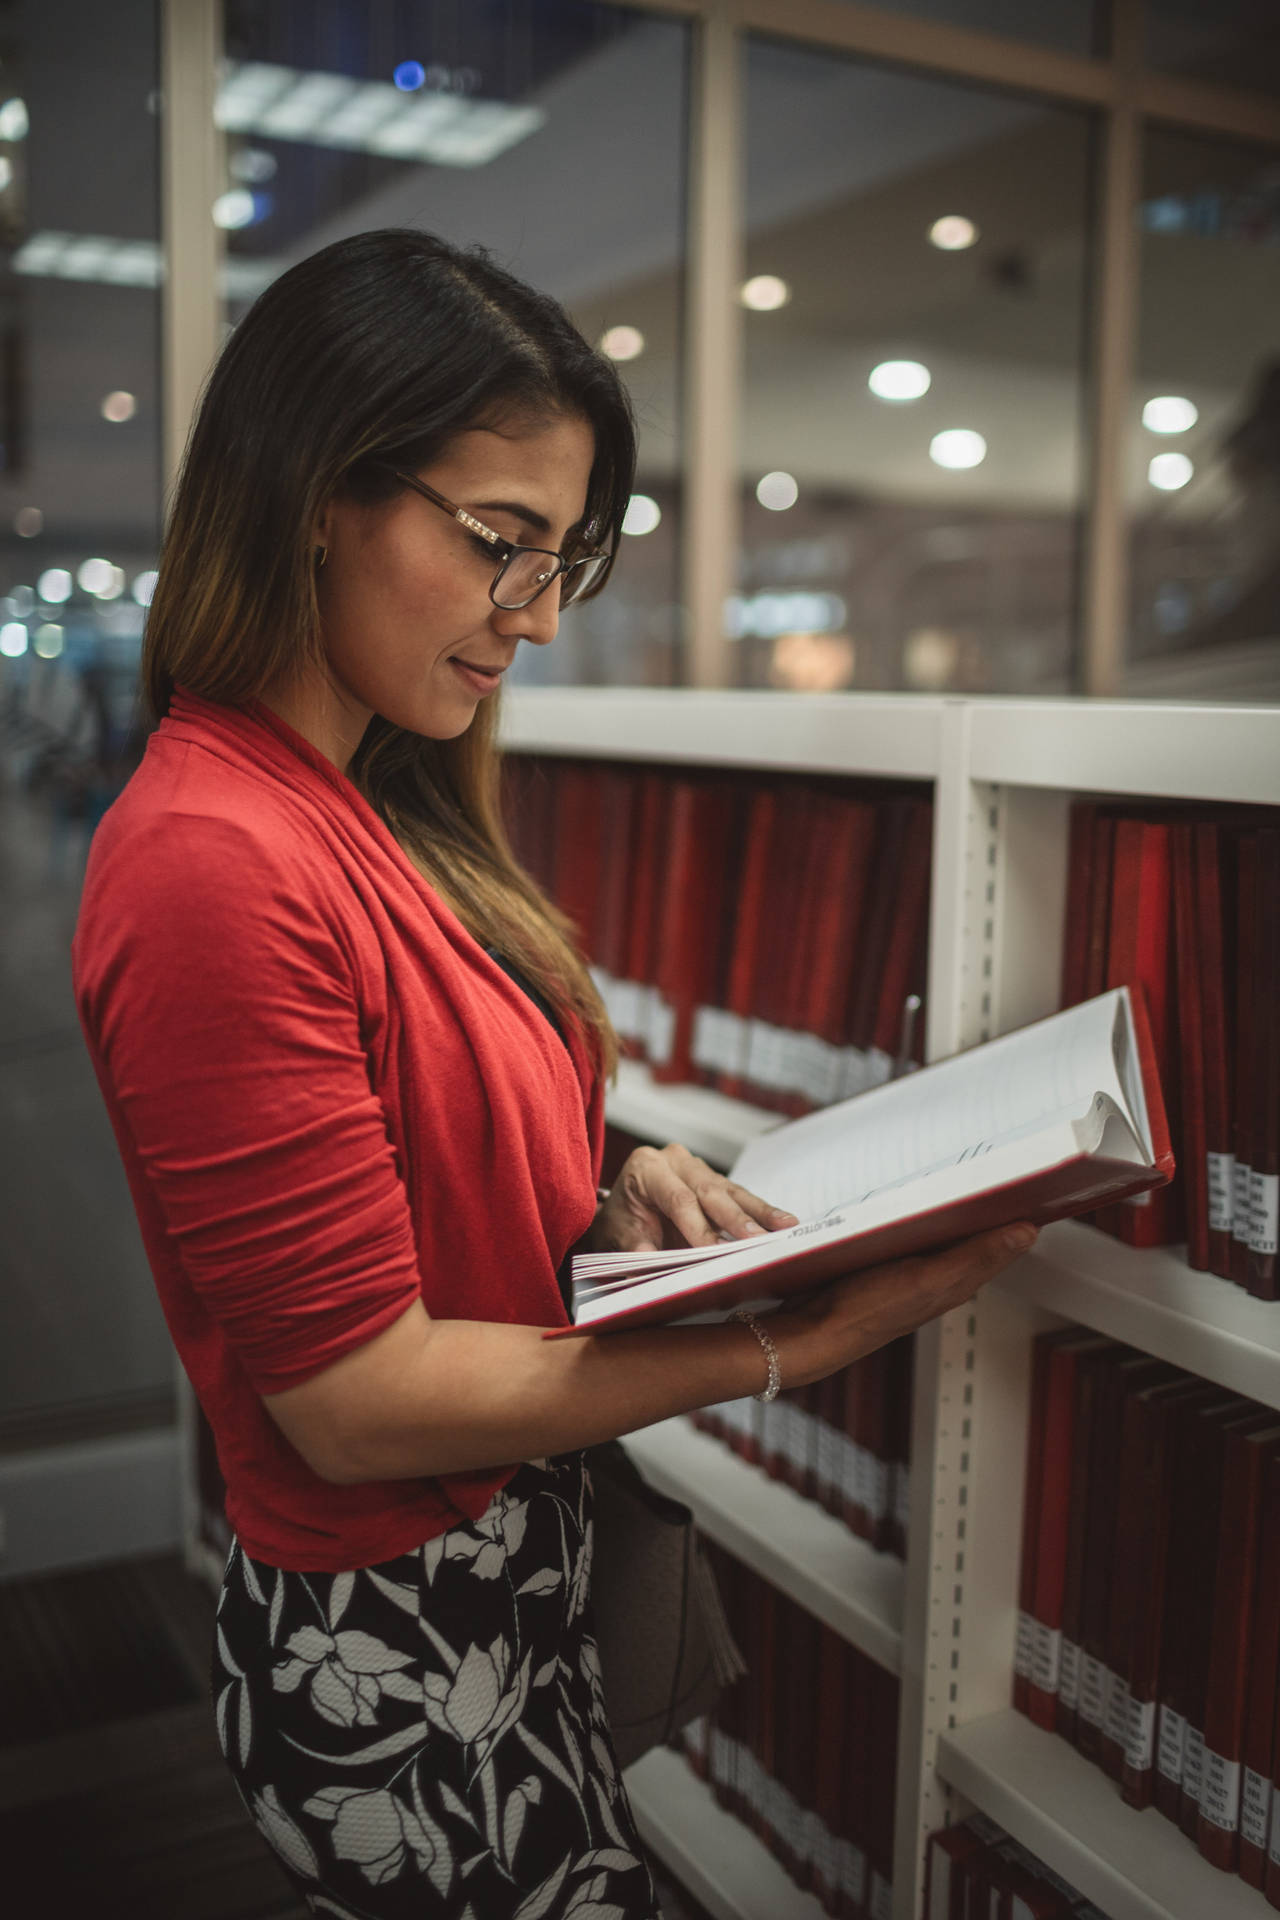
[
  {"x": 1069, "y": 25},
  {"x": 912, "y": 446},
  {"x": 1204, "y": 450},
  {"x": 550, "y": 131},
  {"x": 79, "y": 511},
  {"x": 1236, "y": 42}
]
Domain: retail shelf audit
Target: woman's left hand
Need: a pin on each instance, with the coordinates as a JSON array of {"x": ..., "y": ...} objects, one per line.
[{"x": 668, "y": 1197}]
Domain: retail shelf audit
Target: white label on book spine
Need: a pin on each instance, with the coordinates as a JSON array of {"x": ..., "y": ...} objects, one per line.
[
  {"x": 1069, "y": 1675},
  {"x": 853, "y": 1871},
  {"x": 1264, "y": 1211},
  {"x": 1255, "y": 1805},
  {"x": 1193, "y": 1765},
  {"x": 1221, "y": 1188},
  {"x": 828, "y": 1458},
  {"x": 881, "y": 1904},
  {"x": 1115, "y": 1723},
  {"x": 1140, "y": 1734},
  {"x": 1273, "y": 1846},
  {"x": 1220, "y": 1790},
  {"x": 662, "y": 1028},
  {"x": 1172, "y": 1751},
  {"x": 1025, "y": 1646},
  {"x": 1046, "y": 1658},
  {"x": 1093, "y": 1690},
  {"x": 1240, "y": 1201}
]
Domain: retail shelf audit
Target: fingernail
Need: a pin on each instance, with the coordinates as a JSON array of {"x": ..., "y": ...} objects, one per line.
[{"x": 1018, "y": 1239}]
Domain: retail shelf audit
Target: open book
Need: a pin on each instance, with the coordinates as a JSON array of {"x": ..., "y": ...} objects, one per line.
[{"x": 1039, "y": 1124}]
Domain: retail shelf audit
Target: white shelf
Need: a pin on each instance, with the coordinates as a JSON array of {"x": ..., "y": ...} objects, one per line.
[
  {"x": 720, "y": 1861},
  {"x": 1154, "y": 1300},
  {"x": 1128, "y": 746},
  {"x": 706, "y": 1122},
  {"x": 896, "y": 736},
  {"x": 1135, "y": 1866},
  {"x": 793, "y": 1543}
]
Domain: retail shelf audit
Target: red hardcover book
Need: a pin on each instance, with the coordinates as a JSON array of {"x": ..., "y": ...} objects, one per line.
[
  {"x": 907, "y": 930},
  {"x": 1032, "y": 1492},
  {"x": 895, "y": 817},
  {"x": 690, "y": 908},
  {"x": 644, "y": 921},
  {"x": 1052, "y": 1519},
  {"x": 946, "y": 1885},
  {"x": 1211, "y": 847},
  {"x": 1245, "y": 1088},
  {"x": 808, "y": 915},
  {"x": 850, "y": 834},
  {"x": 1244, "y": 1466},
  {"x": 1088, "y": 1378},
  {"x": 619, "y": 791},
  {"x": 1262, "y": 1278},
  {"x": 861, "y": 1759},
  {"x": 1190, "y": 996},
  {"x": 750, "y": 918},
  {"x": 1148, "y": 1455},
  {"x": 1102, "y": 1704},
  {"x": 1141, "y": 953},
  {"x": 1260, "y": 1720},
  {"x": 883, "y": 1723},
  {"x": 1103, "y": 840},
  {"x": 1075, "y": 931},
  {"x": 578, "y": 846},
  {"x": 1213, "y": 1488}
]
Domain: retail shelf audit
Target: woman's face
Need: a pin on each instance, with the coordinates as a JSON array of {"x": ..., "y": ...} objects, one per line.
[{"x": 408, "y": 625}]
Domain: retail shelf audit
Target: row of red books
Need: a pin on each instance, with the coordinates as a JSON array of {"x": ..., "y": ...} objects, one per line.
[
  {"x": 1149, "y": 1603},
  {"x": 977, "y": 1872},
  {"x": 762, "y": 934},
  {"x": 843, "y": 1442},
  {"x": 1187, "y": 906},
  {"x": 803, "y": 1749}
]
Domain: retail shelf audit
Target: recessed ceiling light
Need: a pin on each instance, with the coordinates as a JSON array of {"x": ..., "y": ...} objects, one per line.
[
  {"x": 13, "y": 639},
  {"x": 119, "y": 406},
  {"x": 14, "y": 124},
  {"x": 622, "y": 343},
  {"x": 1169, "y": 413},
  {"x": 899, "y": 380},
  {"x": 765, "y": 293},
  {"x": 643, "y": 514},
  {"x": 958, "y": 447},
  {"x": 1169, "y": 471},
  {"x": 777, "y": 491},
  {"x": 953, "y": 233},
  {"x": 102, "y": 578}
]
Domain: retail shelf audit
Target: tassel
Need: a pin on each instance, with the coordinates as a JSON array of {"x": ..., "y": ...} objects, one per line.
[{"x": 726, "y": 1661}]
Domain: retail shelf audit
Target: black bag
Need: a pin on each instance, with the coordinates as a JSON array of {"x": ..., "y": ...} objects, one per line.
[{"x": 665, "y": 1646}]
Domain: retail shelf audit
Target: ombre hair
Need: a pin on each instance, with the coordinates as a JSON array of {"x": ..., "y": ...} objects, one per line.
[{"x": 373, "y": 354}]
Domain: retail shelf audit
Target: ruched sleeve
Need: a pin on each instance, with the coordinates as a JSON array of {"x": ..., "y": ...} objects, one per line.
[{"x": 219, "y": 998}]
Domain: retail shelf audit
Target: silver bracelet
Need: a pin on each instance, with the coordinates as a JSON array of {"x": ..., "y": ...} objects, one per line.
[{"x": 765, "y": 1338}]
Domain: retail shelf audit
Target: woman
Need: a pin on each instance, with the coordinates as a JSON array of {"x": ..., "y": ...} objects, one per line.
[{"x": 355, "y": 1069}]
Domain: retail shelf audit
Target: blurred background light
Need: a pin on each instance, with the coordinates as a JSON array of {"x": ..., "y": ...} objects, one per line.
[
  {"x": 899, "y": 380},
  {"x": 958, "y": 447},
  {"x": 777, "y": 491},
  {"x": 1169, "y": 471},
  {"x": 953, "y": 233},
  {"x": 622, "y": 343},
  {"x": 54, "y": 586},
  {"x": 28, "y": 522},
  {"x": 765, "y": 293},
  {"x": 119, "y": 406},
  {"x": 47, "y": 640},
  {"x": 409, "y": 75},
  {"x": 1169, "y": 413},
  {"x": 643, "y": 514},
  {"x": 144, "y": 587},
  {"x": 13, "y": 639},
  {"x": 234, "y": 209},
  {"x": 13, "y": 120}
]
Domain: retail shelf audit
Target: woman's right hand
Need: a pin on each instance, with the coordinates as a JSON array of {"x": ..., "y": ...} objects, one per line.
[{"x": 851, "y": 1317}]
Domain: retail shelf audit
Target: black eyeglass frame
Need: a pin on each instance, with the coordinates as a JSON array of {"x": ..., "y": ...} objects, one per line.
[{"x": 562, "y": 568}]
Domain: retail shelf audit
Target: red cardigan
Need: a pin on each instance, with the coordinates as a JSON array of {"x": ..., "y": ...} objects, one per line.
[{"x": 329, "y": 1101}]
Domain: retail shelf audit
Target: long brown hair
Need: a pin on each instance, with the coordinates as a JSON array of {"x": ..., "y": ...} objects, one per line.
[{"x": 374, "y": 354}]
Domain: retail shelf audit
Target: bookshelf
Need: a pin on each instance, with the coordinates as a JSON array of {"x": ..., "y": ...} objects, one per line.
[{"x": 1004, "y": 773}]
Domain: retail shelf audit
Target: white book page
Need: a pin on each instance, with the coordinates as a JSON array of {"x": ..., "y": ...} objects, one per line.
[{"x": 963, "y": 1107}]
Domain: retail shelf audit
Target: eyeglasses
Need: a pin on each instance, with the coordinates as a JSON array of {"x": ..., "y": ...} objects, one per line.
[{"x": 525, "y": 572}]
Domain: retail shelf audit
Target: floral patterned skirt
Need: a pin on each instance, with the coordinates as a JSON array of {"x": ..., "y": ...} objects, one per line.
[{"x": 426, "y": 1739}]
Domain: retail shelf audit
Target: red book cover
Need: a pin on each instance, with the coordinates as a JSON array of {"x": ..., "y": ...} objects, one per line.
[
  {"x": 861, "y": 1760},
  {"x": 1101, "y": 1703},
  {"x": 1103, "y": 841},
  {"x": 1210, "y": 1489},
  {"x": 1141, "y": 953},
  {"x": 1032, "y": 1491},
  {"x": 1088, "y": 1378},
  {"x": 883, "y": 1724},
  {"x": 830, "y": 1737},
  {"x": 1245, "y": 1087},
  {"x": 578, "y": 847},
  {"x": 1217, "y": 1058},
  {"x": 946, "y": 1879},
  {"x": 850, "y": 833},
  {"x": 1244, "y": 1465},
  {"x": 750, "y": 918},
  {"x": 1075, "y": 932},
  {"x": 886, "y": 876},
  {"x": 619, "y": 790},
  {"x": 1192, "y": 1163},
  {"x": 1258, "y": 1742},
  {"x": 808, "y": 921},
  {"x": 1063, "y": 1353},
  {"x": 907, "y": 927},
  {"x": 1261, "y": 1277},
  {"x": 1149, "y": 1455},
  {"x": 691, "y": 905},
  {"x": 643, "y": 925}
]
